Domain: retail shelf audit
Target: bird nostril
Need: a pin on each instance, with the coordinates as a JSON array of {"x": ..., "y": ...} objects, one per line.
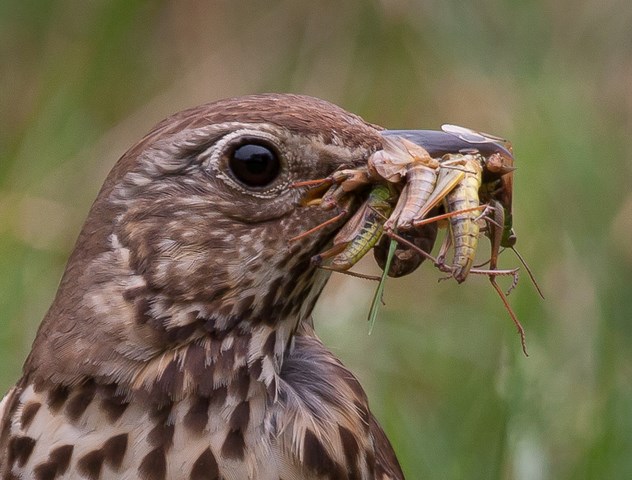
[{"x": 254, "y": 165}]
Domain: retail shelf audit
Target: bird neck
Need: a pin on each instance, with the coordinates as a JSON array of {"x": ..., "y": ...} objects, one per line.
[
  {"x": 211, "y": 363},
  {"x": 126, "y": 334},
  {"x": 115, "y": 323}
]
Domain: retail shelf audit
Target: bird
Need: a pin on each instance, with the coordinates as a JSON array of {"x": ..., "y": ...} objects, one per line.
[{"x": 180, "y": 343}]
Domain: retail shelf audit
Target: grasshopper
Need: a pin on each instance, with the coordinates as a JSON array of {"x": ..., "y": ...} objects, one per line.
[
  {"x": 362, "y": 232},
  {"x": 464, "y": 227}
]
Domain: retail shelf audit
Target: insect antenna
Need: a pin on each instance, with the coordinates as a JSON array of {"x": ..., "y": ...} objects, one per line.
[
  {"x": 529, "y": 272},
  {"x": 351, "y": 274},
  {"x": 452, "y": 165}
]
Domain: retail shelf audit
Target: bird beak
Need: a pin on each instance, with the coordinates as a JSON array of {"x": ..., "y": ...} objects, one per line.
[{"x": 437, "y": 143}]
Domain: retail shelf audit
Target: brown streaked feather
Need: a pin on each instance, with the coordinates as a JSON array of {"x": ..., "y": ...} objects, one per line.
[
  {"x": 386, "y": 464},
  {"x": 179, "y": 344}
]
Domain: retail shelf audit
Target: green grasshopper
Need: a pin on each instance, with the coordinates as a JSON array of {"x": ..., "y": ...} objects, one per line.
[
  {"x": 362, "y": 232},
  {"x": 464, "y": 227}
]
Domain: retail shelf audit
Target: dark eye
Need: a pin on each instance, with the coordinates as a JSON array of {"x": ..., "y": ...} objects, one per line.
[{"x": 254, "y": 165}]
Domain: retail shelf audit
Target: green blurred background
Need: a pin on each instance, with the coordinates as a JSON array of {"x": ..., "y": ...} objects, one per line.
[{"x": 80, "y": 81}]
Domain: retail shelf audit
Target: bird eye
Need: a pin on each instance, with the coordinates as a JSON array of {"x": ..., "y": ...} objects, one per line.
[{"x": 254, "y": 165}]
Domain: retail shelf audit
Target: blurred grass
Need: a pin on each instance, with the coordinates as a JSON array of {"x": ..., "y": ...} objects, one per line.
[{"x": 443, "y": 368}]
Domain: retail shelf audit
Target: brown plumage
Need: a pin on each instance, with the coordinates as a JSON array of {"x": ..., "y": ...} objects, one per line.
[{"x": 180, "y": 344}]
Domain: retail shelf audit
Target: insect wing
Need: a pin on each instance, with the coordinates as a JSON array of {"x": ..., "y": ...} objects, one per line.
[
  {"x": 480, "y": 140},
  {"x": 417, "y": 153},
  {"x": 474, "y": 137},
  {"x": 446, "y": 181},
  {"x": 353, "y": 226},
  {"x": 390, "y": 162}
]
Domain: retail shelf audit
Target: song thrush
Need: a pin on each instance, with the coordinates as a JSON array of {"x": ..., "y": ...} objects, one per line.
[{"x": 179, "y": 344}]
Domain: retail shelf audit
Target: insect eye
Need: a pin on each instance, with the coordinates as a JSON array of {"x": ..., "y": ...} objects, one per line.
[{"x": 254, "y": 165}]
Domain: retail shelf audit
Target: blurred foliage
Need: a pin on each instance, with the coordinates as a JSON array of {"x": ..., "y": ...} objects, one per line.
[{"x": 443, "y": 368}]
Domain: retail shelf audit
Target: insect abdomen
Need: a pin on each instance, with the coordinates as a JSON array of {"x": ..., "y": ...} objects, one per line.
[{"x": 465, "y": 229}]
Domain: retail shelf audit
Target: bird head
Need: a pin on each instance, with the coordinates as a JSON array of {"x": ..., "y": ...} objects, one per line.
[{"x": 189, "y": 235}]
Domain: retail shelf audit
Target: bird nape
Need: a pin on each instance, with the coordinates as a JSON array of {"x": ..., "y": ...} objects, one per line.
[{"x": 180, "y": 342}]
